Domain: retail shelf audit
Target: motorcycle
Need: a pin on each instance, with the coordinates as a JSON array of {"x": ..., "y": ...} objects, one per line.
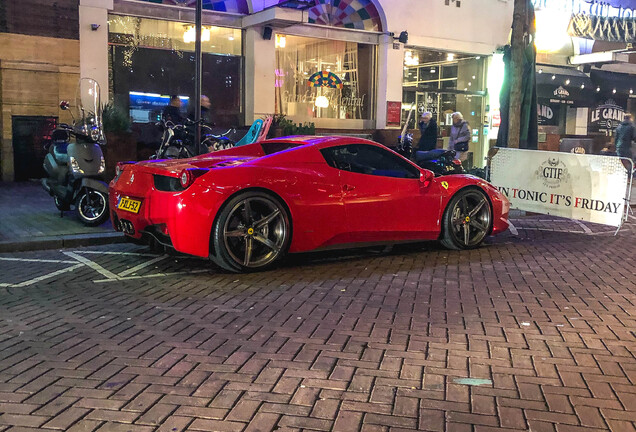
[
  {"x": 177, "y": 141},
  {"x": 75, "y": 162},
  {"x": 440, "y": 161}
]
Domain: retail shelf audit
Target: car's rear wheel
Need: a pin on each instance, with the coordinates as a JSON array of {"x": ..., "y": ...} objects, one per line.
[
  {"x": 251, "y": 233},
  {"x": 467, "y": 220}
]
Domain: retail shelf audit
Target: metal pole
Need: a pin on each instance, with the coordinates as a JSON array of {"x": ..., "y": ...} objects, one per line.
[{"x": 197, "y": 74}]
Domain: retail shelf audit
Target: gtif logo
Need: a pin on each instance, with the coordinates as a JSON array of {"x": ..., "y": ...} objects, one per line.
[{"x": 553, "y": 172}]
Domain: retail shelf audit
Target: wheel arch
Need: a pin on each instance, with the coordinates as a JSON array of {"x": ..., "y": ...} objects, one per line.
[{"x": 250, "y": 189}]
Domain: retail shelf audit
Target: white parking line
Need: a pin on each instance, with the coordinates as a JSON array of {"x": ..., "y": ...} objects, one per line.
[
  {"x": 99, "y": 269},
  {"x": 512, "y": 228},
  {"x": 142, "y": 265},
  {"x": 41, "y": 278},
  {"x": 585, "y": 227},
  {"x": 151, "y": 276},
  {"x": 37, "y": 260},
  {"x": 114, "y": 253}
]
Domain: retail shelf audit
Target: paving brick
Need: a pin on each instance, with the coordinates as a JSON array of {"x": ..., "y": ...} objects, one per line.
[
  {"x": 263, "y": 422},
  {"x": 215, "y": 351},
  {"x": 85, "y": 426},
  {"x": 431, "y": 420},
  {"x": 22, "y": 420},
  {"x": 66, "y": 418},
  {"x": 216, "y": 425},
  {"x": 512, "y": 418}
]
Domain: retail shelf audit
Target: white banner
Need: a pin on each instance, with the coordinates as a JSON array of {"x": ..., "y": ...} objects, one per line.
[{"x": 576, "y": 186}]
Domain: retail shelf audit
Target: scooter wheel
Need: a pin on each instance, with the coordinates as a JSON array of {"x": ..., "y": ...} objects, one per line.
[
  {"x": 92, "y": 207},
  {"x": 60, "y": 206}
]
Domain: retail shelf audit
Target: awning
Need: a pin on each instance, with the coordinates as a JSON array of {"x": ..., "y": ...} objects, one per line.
[
  {"x": 561, "y": 85},
  {"x": 610, "y": 81}
]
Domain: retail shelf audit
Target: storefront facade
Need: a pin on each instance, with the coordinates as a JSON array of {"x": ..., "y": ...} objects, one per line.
[
  {"x": 287, "y": 48},
  {"x": 585, "y": 85},
  {"x": 335, "y": 63}
]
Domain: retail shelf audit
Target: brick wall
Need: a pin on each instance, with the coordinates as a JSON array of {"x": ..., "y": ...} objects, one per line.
[
  {"x": 35, "y": 74},
  {"x": 58, "y": 19}
]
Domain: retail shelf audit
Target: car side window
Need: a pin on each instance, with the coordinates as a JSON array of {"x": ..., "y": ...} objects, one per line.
[{"x": 369, "y": 159}]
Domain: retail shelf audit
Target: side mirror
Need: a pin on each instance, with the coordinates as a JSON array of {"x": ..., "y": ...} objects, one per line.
[
  {"x": 64, "y": 105},
  {"x": 426, "y": 177}
]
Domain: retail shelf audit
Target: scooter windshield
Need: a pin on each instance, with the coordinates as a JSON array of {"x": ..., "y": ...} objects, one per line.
[{"x": 88, "y": 110}]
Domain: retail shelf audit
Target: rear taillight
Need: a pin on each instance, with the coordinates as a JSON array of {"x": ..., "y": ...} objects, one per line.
[
  {"x": 188, "y": 176},
  {"x": 185, "y": 179}
]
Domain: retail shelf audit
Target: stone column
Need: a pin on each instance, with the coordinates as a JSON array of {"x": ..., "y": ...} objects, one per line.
[
  {"x": 390, "y": 73},
  {"x": 93, "y": 30},
  {"x": 260, "y": 65}
]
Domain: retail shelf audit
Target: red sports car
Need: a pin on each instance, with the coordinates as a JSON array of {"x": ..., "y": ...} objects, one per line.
[{"x": 248, "y": 206}]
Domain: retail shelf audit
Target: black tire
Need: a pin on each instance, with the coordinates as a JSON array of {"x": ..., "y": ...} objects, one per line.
[
  {"x": 467, "y": 220},
  {"x": 60, "y": 206},
  {"x": 92, "y": 207},
  {"x": 252, "y": 233}
]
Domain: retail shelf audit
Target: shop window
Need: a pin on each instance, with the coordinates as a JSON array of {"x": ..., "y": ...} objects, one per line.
[
  {"x": 447, "y": 82},
  {"x": 449, "y": 71},
  {"x": 324, "y": 79},
  {"x": 429, "y": 73},
  {"x": 153, "y": 59}
]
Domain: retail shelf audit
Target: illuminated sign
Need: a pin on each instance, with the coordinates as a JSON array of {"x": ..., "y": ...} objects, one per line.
[{"x": 612, "y": 8}]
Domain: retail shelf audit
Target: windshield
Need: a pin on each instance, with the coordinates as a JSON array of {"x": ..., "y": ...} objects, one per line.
[{"x": 88, "y": 110}]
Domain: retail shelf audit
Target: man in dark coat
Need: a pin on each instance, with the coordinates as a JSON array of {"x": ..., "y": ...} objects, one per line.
[
  {"x": 428, "y": 127},
  {"x": 625, "y": 133},
  {"x": 172, "y": 112}
]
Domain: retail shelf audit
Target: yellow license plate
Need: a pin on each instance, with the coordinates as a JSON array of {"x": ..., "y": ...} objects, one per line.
[{"x": 129, "y": 205}]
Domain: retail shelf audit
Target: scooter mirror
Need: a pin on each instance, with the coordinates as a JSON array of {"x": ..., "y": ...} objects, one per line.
[{"x": 64, "y": 105}]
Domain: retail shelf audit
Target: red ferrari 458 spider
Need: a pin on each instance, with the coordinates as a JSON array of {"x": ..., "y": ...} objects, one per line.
[{"x": 248, "y": 206}]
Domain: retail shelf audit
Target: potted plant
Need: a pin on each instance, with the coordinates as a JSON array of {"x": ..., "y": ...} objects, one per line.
[{"x": 120, "y": 143}]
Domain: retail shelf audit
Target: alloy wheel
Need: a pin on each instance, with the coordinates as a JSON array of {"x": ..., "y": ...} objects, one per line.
[
  {"x": 92, "y": 205},
  {"x": 470, "y": 219},
  {"x": 255, "y": 232}
]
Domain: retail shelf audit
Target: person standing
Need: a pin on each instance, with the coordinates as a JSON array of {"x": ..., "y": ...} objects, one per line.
[
  {"x": 459, "y": 136},
  {"x": 206, "y": 111},
  {"x": 428, "y": 128},
  {"x": 625, "y": 134},
  {"x": 172, "y": 112}
]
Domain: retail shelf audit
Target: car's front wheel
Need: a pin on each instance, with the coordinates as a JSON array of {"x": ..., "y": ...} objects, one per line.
[
  {"x": 467, "y": 220},
  {"x": 251, "y": 233}
]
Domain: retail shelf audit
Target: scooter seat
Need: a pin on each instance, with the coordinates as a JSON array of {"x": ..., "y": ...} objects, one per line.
[{"x": 422, "y": 156}]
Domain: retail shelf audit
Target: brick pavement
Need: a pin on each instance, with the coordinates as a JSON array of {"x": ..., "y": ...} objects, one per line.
[
  {"x": 27, "y": 212},
  {"x": 542, "y": 324}
]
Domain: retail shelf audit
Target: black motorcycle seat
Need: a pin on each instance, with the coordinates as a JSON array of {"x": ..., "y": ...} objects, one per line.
[
  {"x": 60, "y": 152},
  {"x": 422, "y": 156}
]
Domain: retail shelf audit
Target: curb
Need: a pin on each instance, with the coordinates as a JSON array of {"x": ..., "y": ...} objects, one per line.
[{"x": 61, "y": 242}]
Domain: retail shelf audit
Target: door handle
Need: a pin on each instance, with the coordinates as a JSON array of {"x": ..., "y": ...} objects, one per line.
[{"x": 348, "y": 188}]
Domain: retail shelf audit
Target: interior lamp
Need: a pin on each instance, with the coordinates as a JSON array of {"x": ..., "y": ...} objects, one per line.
[
  {"x": 281, "y": 41},
  {"x": 322, "y": 102},
  {"x": 411, "y": 59},
  {"x": 190, "y": 34}
]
